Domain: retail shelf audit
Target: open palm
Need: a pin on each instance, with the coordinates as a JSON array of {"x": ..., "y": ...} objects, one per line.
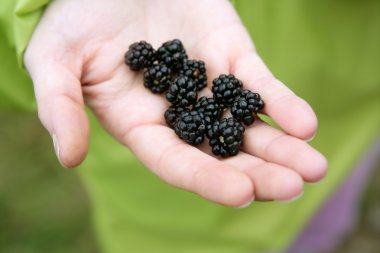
[{"x": 75, "y": 57}]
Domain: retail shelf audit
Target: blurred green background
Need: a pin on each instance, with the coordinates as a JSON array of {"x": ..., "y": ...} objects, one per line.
[{"x": 44, "y": 208}]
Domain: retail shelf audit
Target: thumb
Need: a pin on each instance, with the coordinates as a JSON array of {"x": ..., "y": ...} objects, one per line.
[{"x": 61, "y": 109}]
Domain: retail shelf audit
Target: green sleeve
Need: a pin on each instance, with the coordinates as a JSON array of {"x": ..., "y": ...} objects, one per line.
[{"x": 18, "y": 19}]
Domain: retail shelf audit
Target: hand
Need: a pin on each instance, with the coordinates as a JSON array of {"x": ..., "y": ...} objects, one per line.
[{"x": 75, "y": 57}]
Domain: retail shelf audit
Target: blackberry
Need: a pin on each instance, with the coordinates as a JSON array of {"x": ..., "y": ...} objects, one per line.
[
  {"x": 182, "y": 92},
  {"x": 246, "y": 106},
  {"x": 139, "y": 55},
  {"x": 173, "y": 54},
  {"x": 172, "y": 114},
  {"x": 210, "y": 109},
  {"x": 226, "y": 137},
  {"x": 190, "y": 127},
  {"x": 157, "y": 78},
  {"x": 226, "y": 88},
  {"x": 195, "y": 70}
]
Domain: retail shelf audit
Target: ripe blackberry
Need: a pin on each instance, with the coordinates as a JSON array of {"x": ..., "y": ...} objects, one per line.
[
  {"x": 226, "y": 88},
  {"x": 210, "y": 109},
  {"x": 173, "y": 54},
  {"x": 195, "y": 70},
  {"x": 190, "y": 127},
  {"x": 226, "y": 137},
  {"x": 246, "y": 106},
  {"x": 182, "y": 92},
  {"x": 139, "y": 55},
  {"x": 172, "y": 114},
  {"x": 157, "y": 78}
]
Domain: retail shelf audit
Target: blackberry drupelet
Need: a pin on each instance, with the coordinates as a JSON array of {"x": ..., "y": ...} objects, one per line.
[
  {"x": 190, "y": 127},
  {"x": 172, "y": 114},
  {"x": 195, "y": 70},
  {"x": 226, "y": 137},
  {"x": 226, "y": 88},
  {"x": 173, "y": 54},
  {"x": 210, "y": 109},
  {"x": 139, "y": 55},
  {"x": 157, "y": 78},
  {"x": 246, "y": 106},
  {"x": 182, "y": 92}
]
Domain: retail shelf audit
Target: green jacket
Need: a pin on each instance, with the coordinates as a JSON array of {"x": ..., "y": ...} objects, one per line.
[{"x": 326, "y": 51}]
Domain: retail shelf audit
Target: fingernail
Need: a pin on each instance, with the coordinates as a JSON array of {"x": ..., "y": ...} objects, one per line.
[
  {"x": 292, "y": 199},
  {"x": 57, "y": 149},
  {"x": 246, "y": 204},
  {"x": 312, "y": 137}
]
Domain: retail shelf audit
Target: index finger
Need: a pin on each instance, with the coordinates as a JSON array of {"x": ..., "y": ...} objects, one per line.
[{"x": 290, "y": 112}]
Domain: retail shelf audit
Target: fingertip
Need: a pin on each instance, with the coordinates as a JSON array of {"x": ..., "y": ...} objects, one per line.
[
  {"x": 288, "y": 187},
  {"x": 292, "y": 199},
  {"x": 71, "y": 135},
  {"x": 71, "y": 153},
  {"x": 241, "y": 193},
  {"x": 302, "y": 121},
  {"x": 248, "y": 203},
  {"x": 229, "y": 188},
  {"x": 310, "y": 164},
  {"x": 318, "y": 168}
]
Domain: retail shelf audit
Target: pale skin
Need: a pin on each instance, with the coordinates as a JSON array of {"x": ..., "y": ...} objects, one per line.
[{"x": 75, "y": 58}]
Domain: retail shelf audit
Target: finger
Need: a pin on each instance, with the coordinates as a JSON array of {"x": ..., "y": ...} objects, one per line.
[
  {"x": 61, "y": 109},
  {"x": 216, "y": 49},
  {"x": 227, "y": 48},
  {"x": 278, "y": 147},
  {"x": 272, "y": 181},
  {"x": 289, "y": 111},
  {"x": 184, "y": 166}
]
